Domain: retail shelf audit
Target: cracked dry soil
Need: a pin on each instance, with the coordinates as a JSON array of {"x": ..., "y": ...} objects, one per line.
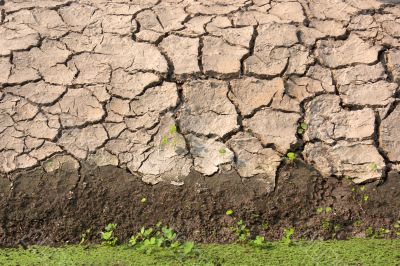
[{"x": 193, "y": 104}]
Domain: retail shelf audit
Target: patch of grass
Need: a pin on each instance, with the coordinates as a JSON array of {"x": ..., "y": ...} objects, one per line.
[{"x": 351, "y": 252}]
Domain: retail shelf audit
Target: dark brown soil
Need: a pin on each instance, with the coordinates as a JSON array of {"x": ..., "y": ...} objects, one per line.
[{"x": 53, "y": 209}]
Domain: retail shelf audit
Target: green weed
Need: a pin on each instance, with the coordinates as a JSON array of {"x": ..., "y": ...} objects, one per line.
[
  {"x": 107, "y": 236},
  {"x": 287, "y": 236},
  {"x": 302, "y": 128}
]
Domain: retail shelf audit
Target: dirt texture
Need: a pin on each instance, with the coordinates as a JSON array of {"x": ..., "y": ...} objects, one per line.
[{"x": 54, "y": 209}]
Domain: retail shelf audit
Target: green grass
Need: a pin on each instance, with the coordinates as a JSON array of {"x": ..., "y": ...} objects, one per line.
[{"x": 352, "y": 252}]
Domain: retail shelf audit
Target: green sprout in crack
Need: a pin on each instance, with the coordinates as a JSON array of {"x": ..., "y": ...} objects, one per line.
[
  {"x": 302, "y": 128},
  {"x": 172, "y": 129},
  {"x": 164, "y": 140},
  {"x": 291, "y": 156}
]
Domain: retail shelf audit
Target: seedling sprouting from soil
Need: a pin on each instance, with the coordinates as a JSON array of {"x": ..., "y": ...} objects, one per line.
[
  {"x": 302, "y": 128},
  {"x": 287, "y": 236},
  {"x": 290, "y": 156},
  {"x": 241, "y": 231},
  {"x": 222, "y": 151},
  {"x": 229, "y": 212},
  {"x": 85, "y": 235},
  {"x": 170, "y": 136},
  {"x": 151, "y": 239},
  {"x": 107, "y": 236}
]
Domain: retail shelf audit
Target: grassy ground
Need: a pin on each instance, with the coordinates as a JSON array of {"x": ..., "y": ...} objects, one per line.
[{"x": 352, "y": 252}]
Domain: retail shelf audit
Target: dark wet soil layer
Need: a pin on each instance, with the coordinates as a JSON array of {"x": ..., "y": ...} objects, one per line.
[{"x": 53, "y": 209}]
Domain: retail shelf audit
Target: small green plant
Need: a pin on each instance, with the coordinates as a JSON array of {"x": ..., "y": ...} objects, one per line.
[
  {"x": 365, "y": 198},
  {"x": 170, "y": 137},
  {"x": 336, "y": 229},
  {"x": 357, "y": 223},
  {"x": 150, "y": 239},
  {"x": 241, "y": 231},
  {"x": 164, "y": 140},
  {"x": 222, "y": 151},
  {"x": 322, "y": 210},
  {"x": 107, "y": 236},
  {"x": 302, "y": 128},
  {"x": 229, "y": 212},
  {"x": 287, "y": 236},
  {"x": 143, "y": 200},
  {"x": 379, "y": 233},
  {"x": 290, "y": 156},
  {"x": 172, "y": 129},
  {"x": 326, "y": 224},
  {"x": 258, "y": 242},
  {"x": 265, "y": 226},
  {"x": 85, "y": 235},
  {"x": 187, "y": 248}
]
